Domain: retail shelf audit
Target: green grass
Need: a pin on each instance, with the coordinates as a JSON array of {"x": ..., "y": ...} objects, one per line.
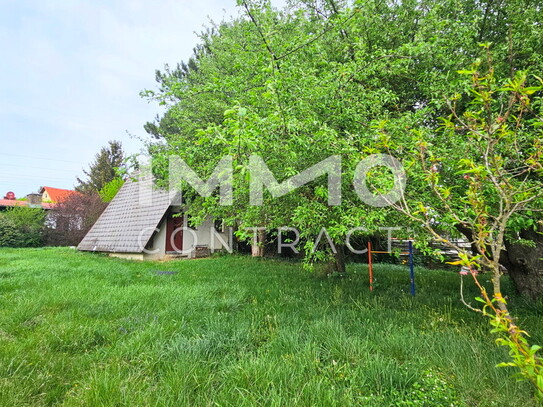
[{"x": 81, "y": 329}]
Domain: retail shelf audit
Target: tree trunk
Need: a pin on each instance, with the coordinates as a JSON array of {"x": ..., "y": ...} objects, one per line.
[
  {"x": 337, "y": 264},
  {"x": 257, "y": 248},
  {"x": 525, "y": 264}
]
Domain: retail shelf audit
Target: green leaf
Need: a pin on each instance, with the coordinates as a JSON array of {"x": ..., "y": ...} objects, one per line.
[
  {"x": 534, "y": 349},
  {"x": 506, "y": 364}
]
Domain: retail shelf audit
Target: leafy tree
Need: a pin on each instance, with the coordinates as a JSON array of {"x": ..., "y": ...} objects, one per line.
[
  {"x": 72, "y": 218},
  {"x": 493, "y": 181},
  {"x": 9, "y": 236},
  {"x": 298, "y": 85},
  {"x": 103, "y": 169},
  {"x": 353, "y": 79}
]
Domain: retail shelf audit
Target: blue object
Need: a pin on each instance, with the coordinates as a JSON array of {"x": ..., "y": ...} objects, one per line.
[{"x": 411, "y": 268}]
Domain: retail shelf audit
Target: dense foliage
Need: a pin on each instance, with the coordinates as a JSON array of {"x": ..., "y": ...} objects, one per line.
[
  {"x": 21, "y": 227},
  {"x": 323, "y": 78},
  {"x": 351, "y": 79},
  {"x": 495, "y": 178},
  {"x": 108, "y": 191}
]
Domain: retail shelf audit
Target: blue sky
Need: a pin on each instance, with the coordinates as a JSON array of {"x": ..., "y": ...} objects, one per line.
[{"x": 70, "y": 76}]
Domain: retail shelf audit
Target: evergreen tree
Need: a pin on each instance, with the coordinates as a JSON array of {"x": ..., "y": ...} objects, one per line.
[{"x": 103, "y": 169}]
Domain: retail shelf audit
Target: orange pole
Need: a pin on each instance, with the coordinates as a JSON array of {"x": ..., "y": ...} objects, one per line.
[{"x": 370, "y": 266}]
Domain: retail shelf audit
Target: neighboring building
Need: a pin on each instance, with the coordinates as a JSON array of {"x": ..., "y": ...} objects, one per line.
[
  {"x": 10, "y": 200},
  {"x": 49, "y": 196},
  {"x": 143, "y": 222},
  {"x": 48, "y": 199},
  {"x": 69, "y": 214},
  {"x": 71, "y": 217},
  {"x": 31, "y": 201},
  {"x": 55, "y": 195}
]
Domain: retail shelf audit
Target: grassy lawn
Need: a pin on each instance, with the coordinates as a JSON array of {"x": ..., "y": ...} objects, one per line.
[{"x": 81, "y": 329}]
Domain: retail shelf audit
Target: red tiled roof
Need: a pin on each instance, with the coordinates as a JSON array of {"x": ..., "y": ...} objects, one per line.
[
  {"x": 56, "y": 194},
  {"x": 12, "y": 202}
]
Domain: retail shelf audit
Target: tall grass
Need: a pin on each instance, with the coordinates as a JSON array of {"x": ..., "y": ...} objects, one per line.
[{"x": 81, "y": 329}]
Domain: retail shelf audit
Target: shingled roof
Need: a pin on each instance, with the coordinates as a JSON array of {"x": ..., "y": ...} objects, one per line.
[{"x": 129, "y": 221}]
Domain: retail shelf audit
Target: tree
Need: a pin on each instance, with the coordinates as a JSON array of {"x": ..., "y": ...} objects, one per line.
[
  {"x": 298, "y": 85},
  {"x": 330, "y": 78},
  {"x": 485, "y": 189},
  {"x": 103, "y": 169},
  {"x": 72, "y": 218}
]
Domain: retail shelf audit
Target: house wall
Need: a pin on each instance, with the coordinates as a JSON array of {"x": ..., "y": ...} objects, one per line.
[
  {"x": 158, "y": 249},
  {"x": 128, "y": 256},
  {"x": 203, "y": 237}
]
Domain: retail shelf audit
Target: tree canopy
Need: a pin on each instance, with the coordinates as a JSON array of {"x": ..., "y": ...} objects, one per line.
[
  {"x": 104, "y": 169},
  {"x": 325, "y": 78}
]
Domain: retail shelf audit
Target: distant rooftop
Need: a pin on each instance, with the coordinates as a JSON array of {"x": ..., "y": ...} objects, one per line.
[
  {"x": 47, "y": 198},
  {"x": 55, "y": 195}
]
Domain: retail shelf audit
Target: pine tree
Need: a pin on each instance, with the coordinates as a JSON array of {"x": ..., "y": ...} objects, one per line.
[{"x": 103, "y": 169}]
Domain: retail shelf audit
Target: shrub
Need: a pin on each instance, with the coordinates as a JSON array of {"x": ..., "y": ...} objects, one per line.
[{"x": 21, "y": 227}]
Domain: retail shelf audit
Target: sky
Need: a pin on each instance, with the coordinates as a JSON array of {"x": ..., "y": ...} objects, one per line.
[{"x": 70, "y": 76}]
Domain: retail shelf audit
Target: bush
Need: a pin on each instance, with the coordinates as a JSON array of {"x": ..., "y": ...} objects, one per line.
[
  {"x": 108, "y": 192},
  {"x": 9, "y": 235},
  {"x": 21, "y": 227}
]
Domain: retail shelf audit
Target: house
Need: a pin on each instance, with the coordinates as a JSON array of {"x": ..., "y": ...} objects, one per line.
[
  {"x": 47, "y": 198},
  {"x": 10, "y": 200},
  {"x": 54, "y": 195},
  {"x": 30, "y": 201},
  {"x": 143, "y": 222}
]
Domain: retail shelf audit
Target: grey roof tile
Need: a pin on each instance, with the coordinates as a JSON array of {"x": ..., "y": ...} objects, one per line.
[{"x": 128, "y": 222}]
